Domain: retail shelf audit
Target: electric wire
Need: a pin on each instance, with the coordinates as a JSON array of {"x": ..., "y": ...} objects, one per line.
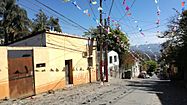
[
  {"x": 62, "y": 15},
  {"x": 111, "y": 8}
]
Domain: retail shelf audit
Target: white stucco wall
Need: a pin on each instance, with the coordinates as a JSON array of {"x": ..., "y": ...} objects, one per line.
[
  {"x": 136, "y": 69},
  {"x": 113, "y": 64}
]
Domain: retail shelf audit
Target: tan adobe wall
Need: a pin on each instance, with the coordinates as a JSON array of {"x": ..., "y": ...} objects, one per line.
[
  {"x": 57, "y": 50},
  {"x": 51, "y": 76},
  {"x": 72, "y": 48},
  {"x": 4, "y": 85}
]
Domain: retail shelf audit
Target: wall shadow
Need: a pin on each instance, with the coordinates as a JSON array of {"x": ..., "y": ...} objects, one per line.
[{"x": 169, "y": 93}]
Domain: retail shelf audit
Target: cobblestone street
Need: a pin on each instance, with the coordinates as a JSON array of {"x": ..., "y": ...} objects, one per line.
[{"x": 115, "y": 92}]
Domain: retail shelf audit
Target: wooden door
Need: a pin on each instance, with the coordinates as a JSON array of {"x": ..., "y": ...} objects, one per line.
[{"x": 69, "y": 71}]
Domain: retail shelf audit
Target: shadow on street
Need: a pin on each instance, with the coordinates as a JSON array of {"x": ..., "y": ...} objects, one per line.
[{"x": 169, "y": 93}]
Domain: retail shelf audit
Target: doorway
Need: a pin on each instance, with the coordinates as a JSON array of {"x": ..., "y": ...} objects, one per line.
[
  {"x": 21, "y": 74},
  {"x": 69, "y": 71}
]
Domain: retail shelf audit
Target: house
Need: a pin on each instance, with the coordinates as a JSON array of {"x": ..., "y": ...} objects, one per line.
[
  {"x": 45, "y": 61},
  {"x": 113, "y": 63},
  {"x": 132, "y": 64},
  {"x": 136, "y": 68}
]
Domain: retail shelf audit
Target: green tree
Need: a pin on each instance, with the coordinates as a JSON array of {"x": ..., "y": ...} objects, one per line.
[
  {"x": 93, "y": 32},
  {"x": 53, "y": 23},
  {"x": 41, "y": 22},
  {"x": 151, "y": 65},
  {"x": 14, "y": 22},
  {"x": 175, "y": 48},
  {"x": 116, "y": 40}
]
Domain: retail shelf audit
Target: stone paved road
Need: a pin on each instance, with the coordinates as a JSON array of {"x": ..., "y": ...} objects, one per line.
[{"x": 116, "y": 92}]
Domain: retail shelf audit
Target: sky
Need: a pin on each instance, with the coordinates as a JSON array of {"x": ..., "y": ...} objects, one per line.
[{"x": 143, "y": 14}]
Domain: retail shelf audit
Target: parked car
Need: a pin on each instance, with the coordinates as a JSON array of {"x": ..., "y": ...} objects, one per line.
[{"x": 143, "y": 75}]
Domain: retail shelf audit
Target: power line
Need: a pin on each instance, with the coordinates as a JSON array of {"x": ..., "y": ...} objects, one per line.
[
  {"x": 118, "y": 9},
  {"x": 92, "y": 10},
  {"x": 61, "y": 15},
  {"x": 27, "y": 7},
  {"x": 149, "y": 29},
  {"x": 63, "y": 21},
  {"x": 111, "y": 8},
  {"x": 127, "y": 11}
]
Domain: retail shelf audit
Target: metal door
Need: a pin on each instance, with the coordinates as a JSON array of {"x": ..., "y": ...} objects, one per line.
[{"x": 21, "y": 78}]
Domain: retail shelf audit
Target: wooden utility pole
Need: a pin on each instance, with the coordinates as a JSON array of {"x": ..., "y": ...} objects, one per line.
[
  {"x": 106, "y": 51},
  {"x": 101, "y": 43}
]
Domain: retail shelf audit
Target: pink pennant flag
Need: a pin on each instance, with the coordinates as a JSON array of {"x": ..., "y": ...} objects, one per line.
[
  {"x": 124, "y": 2},
  {"x": 183, "y": 4},
  {"x": 142, "y": 33},
  {"x": 158, "y": 13},
  {"x": 158, "y": 22},
  {"x": 127, "y": 8},
  {"x": 129, "y": 14}
]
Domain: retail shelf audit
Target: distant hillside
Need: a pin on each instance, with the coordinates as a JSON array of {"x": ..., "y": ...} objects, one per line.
[
  {"x": 153, "y": 50},
  {"x": 148, "y": 47}
]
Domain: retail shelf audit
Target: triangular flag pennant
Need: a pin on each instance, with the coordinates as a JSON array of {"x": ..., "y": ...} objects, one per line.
[
  {"x": 183, "y": 3},
  {"x": 140, "y": 29},
  {"x": 94, "y": 2},
  {"x": 85, "y": 11},
  {"x": 74, "y": 3},
  {"x": 158, "y": 9},
  {"x": 142, "y": 33},
  {"x": 127, "y": 8},
  {"x": 78, "y": 7},
  {"x": 129, "y": 14},
  {"x": 124, "y": 2},
  {"x": 66, "y": 0},
  {"x": 158, "y": 21},
  {"x": 100, "y": 8},
  {"x": 183, "y": 9},
  {"x": 156, "y": 1}
]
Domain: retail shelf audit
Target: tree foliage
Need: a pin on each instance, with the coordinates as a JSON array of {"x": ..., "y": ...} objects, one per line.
[
  {"x": 151, "y": 65},
  {"x": 175, "y": 48},
  {"x": 14, "y": 22},
  {"x": 53, "y": 24},
  {"x": 42, "y": 22},
  {"x": 116, "y": 41}
]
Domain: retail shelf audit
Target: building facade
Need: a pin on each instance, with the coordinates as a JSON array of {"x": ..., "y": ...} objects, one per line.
[{"x": 46, "y": 61}]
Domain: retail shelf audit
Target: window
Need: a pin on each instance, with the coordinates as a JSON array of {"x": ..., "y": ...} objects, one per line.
[
  {"x": 40, "y": 65},
  {"x": 115, "y": 58},
  {"x": 110, "y": 60}
]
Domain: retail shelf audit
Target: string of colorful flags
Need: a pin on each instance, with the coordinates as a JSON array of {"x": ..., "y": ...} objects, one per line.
[
  {"x": 86, "y": 11},
  {"x": 127, "y": 8},
  {"x": 158, "y": 14},
  {"x": 183, "y": 3}
]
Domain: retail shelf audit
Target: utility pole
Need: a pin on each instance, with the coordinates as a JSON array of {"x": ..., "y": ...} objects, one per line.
[
  {"x": 106, "y": 51},
  {"x": 101, "y": 42}
]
